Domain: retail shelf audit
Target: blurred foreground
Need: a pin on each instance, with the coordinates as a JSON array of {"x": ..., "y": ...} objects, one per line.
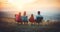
[{"x": 10, "y": 25}]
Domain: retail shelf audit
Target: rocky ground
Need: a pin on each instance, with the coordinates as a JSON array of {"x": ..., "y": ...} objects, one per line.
[{"x": 10, "y": 25}]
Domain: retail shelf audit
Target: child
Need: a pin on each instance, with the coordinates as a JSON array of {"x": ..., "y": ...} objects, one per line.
[
  {"x": 31, "y": 19},
  {"x": 25, "y": 18},
  {"x": 18, "y": 18}
]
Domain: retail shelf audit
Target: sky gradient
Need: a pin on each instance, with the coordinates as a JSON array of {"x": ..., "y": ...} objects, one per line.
[{"x": 50, "y": 9}]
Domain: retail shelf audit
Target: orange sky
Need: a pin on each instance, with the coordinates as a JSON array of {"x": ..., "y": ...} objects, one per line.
[
  {"x": 21, "y": 5},
  {"x": 48, "y": 8}
]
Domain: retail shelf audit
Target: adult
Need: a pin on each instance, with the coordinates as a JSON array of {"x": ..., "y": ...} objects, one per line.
[{"x": 39, "y": 18}]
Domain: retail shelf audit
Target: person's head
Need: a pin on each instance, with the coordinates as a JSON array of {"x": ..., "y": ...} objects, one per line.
[
  {"x": 20, "y": 13},
  {"x": 15, "y": 15},
  {"x": 24, "y": 13},
  {"x": 31, "y": 15},
  {"x": 38, "y": 12}
]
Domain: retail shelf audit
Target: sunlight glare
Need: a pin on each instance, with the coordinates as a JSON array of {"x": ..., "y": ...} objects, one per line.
[{"x": 19, "y": 4}]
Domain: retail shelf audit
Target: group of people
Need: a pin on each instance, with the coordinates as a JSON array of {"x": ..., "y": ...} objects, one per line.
[{"x": 24, "y": 19}]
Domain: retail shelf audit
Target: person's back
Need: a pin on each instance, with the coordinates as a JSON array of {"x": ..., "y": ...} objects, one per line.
[
  {"x": 39, "y": 18},
  {"x": 25, "y": 18},
  {"x": 18, "y": 18},
  {"x": 31, "y": 19}
]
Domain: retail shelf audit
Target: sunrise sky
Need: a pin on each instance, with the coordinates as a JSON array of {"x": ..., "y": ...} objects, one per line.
[{"x": 48, "y": 8}]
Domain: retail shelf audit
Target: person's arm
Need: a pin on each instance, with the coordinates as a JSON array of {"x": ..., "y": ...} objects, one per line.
[
  {"x": 42, "y": 17},
  {"x": 15, "y": 17},
  {"x": 27, "y": 18}
]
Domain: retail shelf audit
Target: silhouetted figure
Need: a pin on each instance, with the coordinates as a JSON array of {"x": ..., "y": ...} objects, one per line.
[
  {"x": 25, "y": 18},
  {"x": 39, "y": 18},
  {"x": 18, "y": 18},
  {"x": 31, "y": 19}
]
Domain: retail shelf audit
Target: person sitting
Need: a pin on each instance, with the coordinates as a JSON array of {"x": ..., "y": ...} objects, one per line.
[
  {"x": 18, "y": 18},
  {"x": 31, "y": 19},
  {"x": 39, "y": 18},
  {"x": 25, "y": 18}
]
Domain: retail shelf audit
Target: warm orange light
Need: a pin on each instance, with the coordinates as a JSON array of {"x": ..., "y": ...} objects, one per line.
[{"x": 19, "y": 4}]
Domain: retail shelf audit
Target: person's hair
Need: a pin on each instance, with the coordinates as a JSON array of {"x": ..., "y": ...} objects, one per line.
[
  {"x": 31, "y": 14},
  {"x": 24, "y": 12},
  {"x": 38, "y": 12},
  {"x": 19, "y": 12}
]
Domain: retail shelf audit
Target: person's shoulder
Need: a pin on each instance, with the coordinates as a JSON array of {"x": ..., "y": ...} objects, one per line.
[
  {"x": 25, "y": 16},
  {"x": 39, "y": 16}
]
